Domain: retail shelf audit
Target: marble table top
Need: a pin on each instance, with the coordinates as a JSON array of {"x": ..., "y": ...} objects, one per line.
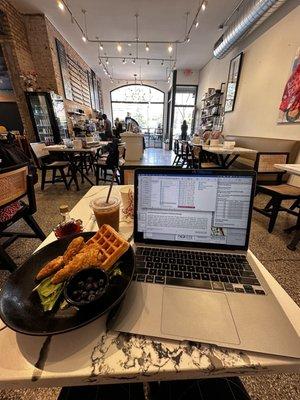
[
  {"x": 94, "y": 355},
  {"x": 291, "y": 168},
  {"x": 224, "y": 150}
]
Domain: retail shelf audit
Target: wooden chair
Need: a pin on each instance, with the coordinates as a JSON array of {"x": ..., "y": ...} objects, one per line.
[
  {"x": 198, "y": 160},
  {"x": 111, "y": 161},
  {"x": 277, "y": 190},
  {"x": 264, "y": 166},
  {"x": 41, "y": 156},
  {"x": 177, "y": 151},
  {"x": 16, "y": 183}
]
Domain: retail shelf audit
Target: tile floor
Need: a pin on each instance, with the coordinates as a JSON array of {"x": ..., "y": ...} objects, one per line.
[{"x": 270, "y": 249}]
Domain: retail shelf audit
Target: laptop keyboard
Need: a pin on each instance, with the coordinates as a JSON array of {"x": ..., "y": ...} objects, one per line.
[{"x": 215, "y": 271}]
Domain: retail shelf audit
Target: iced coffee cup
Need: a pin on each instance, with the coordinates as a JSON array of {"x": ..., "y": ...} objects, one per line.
[{"x": 106, "y": 213}]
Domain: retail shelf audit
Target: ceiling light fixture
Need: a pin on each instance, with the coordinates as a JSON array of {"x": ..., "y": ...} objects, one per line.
[
  {"x": 170, "y": 48},
  {"x": 148, "y": 62},
  {"x": 133, "y": 61},
  {"x": 162, "y": 62},
  {"x": 119, "y": 47},
  {"x": 101, "y": 46},
  {"x": 124, "y": 61},
  {"x": 188, "y": 40},
  {"x": 60, "y": 5},
  {"x": 196, "y": 24},
  {"x": 107, "y": 62},
  {"x": 204, "y": 5},
  {"x": 84, "y": 38},
  {"x": 147, "y": 47}
]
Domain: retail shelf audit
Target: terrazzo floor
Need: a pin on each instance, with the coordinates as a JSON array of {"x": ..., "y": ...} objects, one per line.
[{"x": 270, "y": 249}]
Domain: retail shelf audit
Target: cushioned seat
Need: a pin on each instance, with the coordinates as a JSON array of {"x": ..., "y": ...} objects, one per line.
[{"x": 58, "y": 164}]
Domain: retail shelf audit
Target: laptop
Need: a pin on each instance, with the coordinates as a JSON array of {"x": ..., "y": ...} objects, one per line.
[{"x": 194, "y": 279}]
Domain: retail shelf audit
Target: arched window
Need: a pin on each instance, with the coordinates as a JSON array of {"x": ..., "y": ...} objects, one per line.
[{"x": 144, "y": 103}]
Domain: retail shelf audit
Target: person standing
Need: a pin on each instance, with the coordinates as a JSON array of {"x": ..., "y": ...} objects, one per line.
[
  {"x": 107, "y": 126},
  {"x": 184, "y": 129}
]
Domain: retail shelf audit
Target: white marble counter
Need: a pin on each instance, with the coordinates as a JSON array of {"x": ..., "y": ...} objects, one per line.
[
  {"x": 93, "y": 355},
  {"x": 290, "y": 168}
]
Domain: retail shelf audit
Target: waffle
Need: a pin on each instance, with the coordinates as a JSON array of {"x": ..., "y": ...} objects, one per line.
[{"x": 112, "y": 245}]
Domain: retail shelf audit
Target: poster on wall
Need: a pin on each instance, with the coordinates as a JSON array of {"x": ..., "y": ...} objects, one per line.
[
  {"x": 5, "y": 82},
  {"x": 232, "y": 82},
  {"x": 289, "y": 109}
]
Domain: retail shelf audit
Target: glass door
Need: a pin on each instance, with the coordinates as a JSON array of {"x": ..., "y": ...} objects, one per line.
[
  {"x": 41, "y": 117},
  {"x": 60, "y": 117},
  {"x": 185, "y": 104}
]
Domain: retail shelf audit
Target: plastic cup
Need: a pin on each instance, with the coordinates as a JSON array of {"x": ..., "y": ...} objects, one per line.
[{"x": 106, "y": 213}]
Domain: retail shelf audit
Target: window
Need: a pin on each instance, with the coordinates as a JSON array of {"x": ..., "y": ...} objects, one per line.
[
  {"x": 144, "y": 103},
  {"x": 185, "y": 101}
]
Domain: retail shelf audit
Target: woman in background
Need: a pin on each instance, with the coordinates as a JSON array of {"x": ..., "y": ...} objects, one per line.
[{"x": 184, "y": 129}]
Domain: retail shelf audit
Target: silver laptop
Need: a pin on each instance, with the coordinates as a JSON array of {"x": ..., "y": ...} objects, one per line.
[{"x": 194, "y": 279}]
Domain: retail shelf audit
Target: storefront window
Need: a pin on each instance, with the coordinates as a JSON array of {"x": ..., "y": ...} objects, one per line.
[
  {"x": 144, "y": 103},
  {"x": 185, "y": 102}
]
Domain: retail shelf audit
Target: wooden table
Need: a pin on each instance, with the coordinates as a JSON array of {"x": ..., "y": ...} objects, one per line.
[
  {"x": 293, "y": 169},
  {"x": 225, "y": 157},
  {"x": 76, "y": 167},
  {"x": 93, "y": 355}
]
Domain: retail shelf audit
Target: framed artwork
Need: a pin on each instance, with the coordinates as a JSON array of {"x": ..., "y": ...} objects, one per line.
[
  {"x": 289, "y": 108},
  {"x": 232, "y": 82}
]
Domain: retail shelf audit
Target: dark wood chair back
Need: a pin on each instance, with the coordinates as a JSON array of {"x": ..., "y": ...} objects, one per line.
[{"x": 264, "y": 165}]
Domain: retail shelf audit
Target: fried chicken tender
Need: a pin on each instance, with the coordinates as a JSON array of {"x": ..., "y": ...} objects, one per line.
[
  {"x": 74, "y": 247},
  {"x": 90, "y": 256},
  {"x": 50, "y": 268}
]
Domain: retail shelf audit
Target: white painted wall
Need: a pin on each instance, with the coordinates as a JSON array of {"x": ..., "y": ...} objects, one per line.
[
  {"x": 107, "y": 87},
  {"x": 187, "y": 79},
  {"x": 266, "y": 68}
]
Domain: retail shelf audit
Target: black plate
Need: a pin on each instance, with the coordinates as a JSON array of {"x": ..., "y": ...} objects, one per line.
[{"x": 21, "y": 310}]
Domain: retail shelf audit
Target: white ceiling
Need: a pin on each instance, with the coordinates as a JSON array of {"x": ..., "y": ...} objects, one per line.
[{"x": 158, "y": 20}]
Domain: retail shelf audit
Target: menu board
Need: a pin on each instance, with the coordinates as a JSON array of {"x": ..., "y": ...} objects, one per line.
[{"x": 63, "y": 63}]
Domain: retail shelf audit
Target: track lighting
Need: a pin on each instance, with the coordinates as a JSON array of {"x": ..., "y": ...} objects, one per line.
[
  {"x": 188, "y": 39},
  {"x": 148, "y": 62},
  {"x": 170, "y": 48},
  {"x": 124, "y": 61},
  {"x": 204, "y": 5},
  {"x": 133, "y": 61},
  {"x": 84, "y": 38},
  {"x": 196, "y": 24},
  {"x": 119, "y": 47},
  {"x": 107, "y": 62},
  {"x": 147, "y": 47},
  {"x": 60, "y": 5},
  {"x": 101, "y": 46},
  {"x": 162, "y": 62}
]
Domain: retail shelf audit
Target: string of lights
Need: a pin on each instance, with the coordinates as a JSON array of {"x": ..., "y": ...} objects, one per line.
[{"x": 104, "y": 59}]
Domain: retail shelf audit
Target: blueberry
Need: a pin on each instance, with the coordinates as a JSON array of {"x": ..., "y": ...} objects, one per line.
[
  {"x": 84, "y": 294},
  {"x": 80, "y": 284},
  {"x": 95, "y": 285},
  {"x": 100, "y": 282},
  {"x": 89, "y": 286}
]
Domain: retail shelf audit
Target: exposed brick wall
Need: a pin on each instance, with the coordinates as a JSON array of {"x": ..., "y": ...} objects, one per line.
[
  {"x": 29, "y": 45},
  {"x": 41, "y": 52},
  {"x": 18, "y": 58}
]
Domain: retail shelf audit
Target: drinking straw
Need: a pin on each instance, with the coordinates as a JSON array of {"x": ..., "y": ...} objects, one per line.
[{"x": 111, "y": 185}]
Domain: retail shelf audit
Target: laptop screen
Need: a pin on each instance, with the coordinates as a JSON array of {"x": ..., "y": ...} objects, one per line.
[{"x": 195, "y": 208}]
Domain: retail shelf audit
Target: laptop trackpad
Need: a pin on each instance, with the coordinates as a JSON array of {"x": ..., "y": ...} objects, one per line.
[{"x": 198, "y": 315}]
